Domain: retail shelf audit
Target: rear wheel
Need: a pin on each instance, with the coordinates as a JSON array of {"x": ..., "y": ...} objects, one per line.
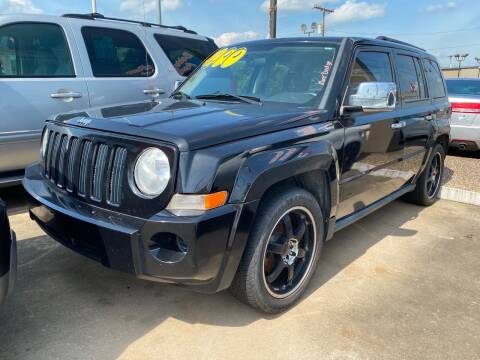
[
  {"x": 282, "y": 252},
  {"x": 430, "y": 181}
]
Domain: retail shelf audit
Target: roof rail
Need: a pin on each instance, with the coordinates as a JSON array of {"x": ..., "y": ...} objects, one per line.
[
  {"x": 95, "y": 16},
  {"x": 386, "y": 38}
]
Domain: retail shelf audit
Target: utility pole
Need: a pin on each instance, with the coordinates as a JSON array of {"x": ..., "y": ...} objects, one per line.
[
  {"x": 324, "y": 12},
  {"x": 273, "y": 19},
  {"x": 477, "y": 59},
  {"x": 159, "y": 12},
  {"x": 460, "y": 58},
  {"x": 94, "y": 6}
]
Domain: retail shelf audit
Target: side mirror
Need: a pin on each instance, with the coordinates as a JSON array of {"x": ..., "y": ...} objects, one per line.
[{"x": 374, "y": 96}]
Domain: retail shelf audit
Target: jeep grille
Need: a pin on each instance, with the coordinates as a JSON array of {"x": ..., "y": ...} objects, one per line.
[{"x": 86, "y": 168}]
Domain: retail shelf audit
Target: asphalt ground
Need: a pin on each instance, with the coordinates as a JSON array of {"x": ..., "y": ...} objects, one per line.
[{"x": 403, "y": 283}]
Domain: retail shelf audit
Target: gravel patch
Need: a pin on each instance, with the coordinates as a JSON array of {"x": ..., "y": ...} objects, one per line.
[{"x": 462, "y": 170}]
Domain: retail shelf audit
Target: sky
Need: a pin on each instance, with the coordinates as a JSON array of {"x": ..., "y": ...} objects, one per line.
[{"x": 443, "y": 27}]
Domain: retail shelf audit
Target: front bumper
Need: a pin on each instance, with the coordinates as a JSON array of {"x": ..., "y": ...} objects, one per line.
[
  {"x": 206, "y": 257},
  {"x": 7, "y": 281}
]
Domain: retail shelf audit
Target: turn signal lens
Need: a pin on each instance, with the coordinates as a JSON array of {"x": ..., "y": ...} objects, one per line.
[
  {"x": 198, "y": 202},
  {"x": 212, "y": 201}
]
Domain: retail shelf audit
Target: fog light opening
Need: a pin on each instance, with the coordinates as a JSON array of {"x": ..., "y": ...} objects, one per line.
[{"x": 167, "y": 247}]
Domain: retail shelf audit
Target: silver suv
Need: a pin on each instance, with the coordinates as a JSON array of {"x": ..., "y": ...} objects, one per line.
[{"x": 51, "y": 64}]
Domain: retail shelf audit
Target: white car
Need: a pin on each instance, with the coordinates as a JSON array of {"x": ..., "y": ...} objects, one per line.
[
  {"x": 52, "y": 64},
  {"x": 464, "y": 95}
]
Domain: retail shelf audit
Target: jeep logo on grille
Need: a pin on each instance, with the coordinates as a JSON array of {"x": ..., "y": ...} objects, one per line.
[{"x": 84, "y": 121}]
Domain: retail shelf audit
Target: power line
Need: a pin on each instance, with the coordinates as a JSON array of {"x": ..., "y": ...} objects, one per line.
[
  {"x": 455, "y": 47},
  {"x": 409, "y": 34}
]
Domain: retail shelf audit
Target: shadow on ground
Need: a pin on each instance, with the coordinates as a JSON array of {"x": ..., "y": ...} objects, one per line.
[{"x": 67, "y": 304}]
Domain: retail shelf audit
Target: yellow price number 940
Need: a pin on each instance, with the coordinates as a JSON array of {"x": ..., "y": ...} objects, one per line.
[{"x": 225, "y": 57}]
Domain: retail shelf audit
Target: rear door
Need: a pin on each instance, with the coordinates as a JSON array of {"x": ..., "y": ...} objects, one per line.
[
  {"x": 437, "y": 93},
  {"x": 118, "y": 66},
  {"x": 371, "y": 167},
  {"x": 418, "y": 111},
  {"x": 40, "y": 75}
]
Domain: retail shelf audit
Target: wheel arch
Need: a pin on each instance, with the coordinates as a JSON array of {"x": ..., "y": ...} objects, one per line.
[
  {"x": 444, "y": 140},
  {"x": 312, "y": 166}
]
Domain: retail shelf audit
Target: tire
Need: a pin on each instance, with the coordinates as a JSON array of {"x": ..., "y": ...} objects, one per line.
[
  {"x": 424, "y": 194},
  {"x": 290, "y": 263}
]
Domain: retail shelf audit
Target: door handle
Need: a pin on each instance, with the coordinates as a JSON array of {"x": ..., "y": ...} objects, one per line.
[
  {"x": 399, "y": 125},
  {"x": 153, "y": 92},
  {"x": 429, "y": 117},
  {"x": 66, "y": 95}
]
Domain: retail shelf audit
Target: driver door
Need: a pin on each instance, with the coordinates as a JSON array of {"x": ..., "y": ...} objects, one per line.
[{"x": 373, "y": 149}]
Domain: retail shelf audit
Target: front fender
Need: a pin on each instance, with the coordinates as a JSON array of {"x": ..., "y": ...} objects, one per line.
[{"x": 263, "y": 169}]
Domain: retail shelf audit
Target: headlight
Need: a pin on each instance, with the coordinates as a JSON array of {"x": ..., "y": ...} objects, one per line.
[
  {"x": 43, "y": 148},
  {"x": 152, "y": 172}
]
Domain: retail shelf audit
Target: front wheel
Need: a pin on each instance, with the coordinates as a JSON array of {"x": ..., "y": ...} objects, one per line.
[
  {"x": 282, "y": 252},
  {"x": 430, "y": 181}
]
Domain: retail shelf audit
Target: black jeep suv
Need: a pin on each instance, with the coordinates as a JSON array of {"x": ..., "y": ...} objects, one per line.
[
  {"x": 8, "y": 252},
  {"x": 238, "y": 179}
]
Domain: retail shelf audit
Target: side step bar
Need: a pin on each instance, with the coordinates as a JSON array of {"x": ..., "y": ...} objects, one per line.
[{"x": 350, "y": 219}]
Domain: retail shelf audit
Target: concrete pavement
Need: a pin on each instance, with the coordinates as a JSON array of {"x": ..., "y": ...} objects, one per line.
[{"x": 402, "y": 283}]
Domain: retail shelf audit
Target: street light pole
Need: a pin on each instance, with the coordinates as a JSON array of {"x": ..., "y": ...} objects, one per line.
[
  {"x": 94, "y": 6},
  {"x": 324, "y": 12},
  {"x": 273, "y": 19},
  {"x": 477, "y": 59},
  {"x": 159, "y": 12},
  {"x": 460, "y": 58},
  {"x": 305, "y": 30}
]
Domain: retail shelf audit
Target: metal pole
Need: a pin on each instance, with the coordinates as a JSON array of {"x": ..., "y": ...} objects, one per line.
[
  {"x": 94, "y": 6},
  {"x": 323, "y": 24},
  {"x": 159, "y": 12},
  {"x": 273, "y": 19}
]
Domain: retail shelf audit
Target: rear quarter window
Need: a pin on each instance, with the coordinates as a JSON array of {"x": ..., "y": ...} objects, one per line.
[
  {"x": 185, "y": 54},
  {"x": 434, "y": 79}
]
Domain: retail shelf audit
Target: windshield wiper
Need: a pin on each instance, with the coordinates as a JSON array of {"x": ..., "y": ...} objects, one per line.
[
  {"x": 179, "y": 95},
  {"x": 225, "y": 96}
]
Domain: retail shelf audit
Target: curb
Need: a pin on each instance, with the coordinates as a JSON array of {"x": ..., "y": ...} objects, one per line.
[{"x": 460, "y": 195}]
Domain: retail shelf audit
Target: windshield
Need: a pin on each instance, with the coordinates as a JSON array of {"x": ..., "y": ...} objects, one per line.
[
  {"x": 278, "y": 73},
  {"x": 464, "y": 87}
]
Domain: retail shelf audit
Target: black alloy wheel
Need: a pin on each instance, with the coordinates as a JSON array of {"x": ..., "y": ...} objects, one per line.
[
  {"x": 288, "y": 255},
  {"x": 283, "y": 249},
  {"x": 429, "y": 182},
  {"x": 434, "y": 175}
]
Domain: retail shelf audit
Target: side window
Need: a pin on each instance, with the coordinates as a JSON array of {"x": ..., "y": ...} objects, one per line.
[
  {"x": 434, "y": 79},
  {"x": 185, "y": 54},
  {"x": 410, "y": 82},
  {"x": 34, "y": 50},
  {"x": 370, "y": 66},
  {"x": 116, "y": 53},
  {"x": 421, "y": 79}
]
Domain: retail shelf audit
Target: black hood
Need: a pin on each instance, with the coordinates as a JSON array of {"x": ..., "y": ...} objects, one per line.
[{"x": 193, "y": 124}]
